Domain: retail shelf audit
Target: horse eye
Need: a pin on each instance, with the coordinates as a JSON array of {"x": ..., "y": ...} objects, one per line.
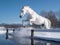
[{"x": 22, "y": 11}]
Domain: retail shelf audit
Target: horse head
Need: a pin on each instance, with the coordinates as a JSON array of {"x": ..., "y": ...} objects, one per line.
[{"x": 23, "y": 11}]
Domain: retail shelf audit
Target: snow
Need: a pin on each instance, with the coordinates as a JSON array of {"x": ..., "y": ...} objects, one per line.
[
  {"x": 3, "y": 30},
  {"x": 21, "y": 34}
]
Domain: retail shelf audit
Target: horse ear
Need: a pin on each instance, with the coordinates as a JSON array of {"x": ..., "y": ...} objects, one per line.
[
  {"x": 22, "y": 7},
  {"x": 26, "y": 6}
]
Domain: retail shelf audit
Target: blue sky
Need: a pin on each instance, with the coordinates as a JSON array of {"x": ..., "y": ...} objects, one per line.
[{"x": 10, "y": 9}]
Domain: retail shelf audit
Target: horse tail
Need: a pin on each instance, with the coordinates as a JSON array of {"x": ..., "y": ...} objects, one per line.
[{"x": 49, "y": 23}]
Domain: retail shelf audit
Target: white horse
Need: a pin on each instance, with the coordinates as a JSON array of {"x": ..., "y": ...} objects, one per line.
[{"x": 35, "y": 18}]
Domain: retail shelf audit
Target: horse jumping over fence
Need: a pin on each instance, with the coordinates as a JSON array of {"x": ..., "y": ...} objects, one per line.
[{"x": 35, "y": 18}]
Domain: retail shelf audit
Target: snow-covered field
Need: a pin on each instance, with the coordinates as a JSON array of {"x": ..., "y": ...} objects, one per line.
[
  {"x": 4, "y": 31},
  {"x": 22, "y": 35}
]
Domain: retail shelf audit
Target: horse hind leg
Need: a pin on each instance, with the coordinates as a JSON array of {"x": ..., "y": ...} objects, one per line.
[
  {"x": 42, "y": 26},
  {"x": 47, "y": 24}
]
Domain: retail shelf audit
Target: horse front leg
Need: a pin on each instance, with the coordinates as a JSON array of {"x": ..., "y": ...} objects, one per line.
[
  {"x": 30, "y": 22},
  {"x": 47, "y": 25}
]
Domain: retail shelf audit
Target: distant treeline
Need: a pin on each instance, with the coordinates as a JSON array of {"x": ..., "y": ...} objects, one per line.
[{"x": 11, "y": 25}]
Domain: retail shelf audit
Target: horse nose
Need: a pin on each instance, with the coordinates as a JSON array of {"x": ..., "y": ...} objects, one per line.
[{"x": 20, "y": 16}]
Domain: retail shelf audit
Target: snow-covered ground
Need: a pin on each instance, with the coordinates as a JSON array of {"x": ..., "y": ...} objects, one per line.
[
  {"x": 21, "y": 35},
  {"x": 4, "y": 31}
]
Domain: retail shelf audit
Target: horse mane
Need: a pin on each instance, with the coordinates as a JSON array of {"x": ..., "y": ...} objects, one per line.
[{"x": 25, "y": 6}]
